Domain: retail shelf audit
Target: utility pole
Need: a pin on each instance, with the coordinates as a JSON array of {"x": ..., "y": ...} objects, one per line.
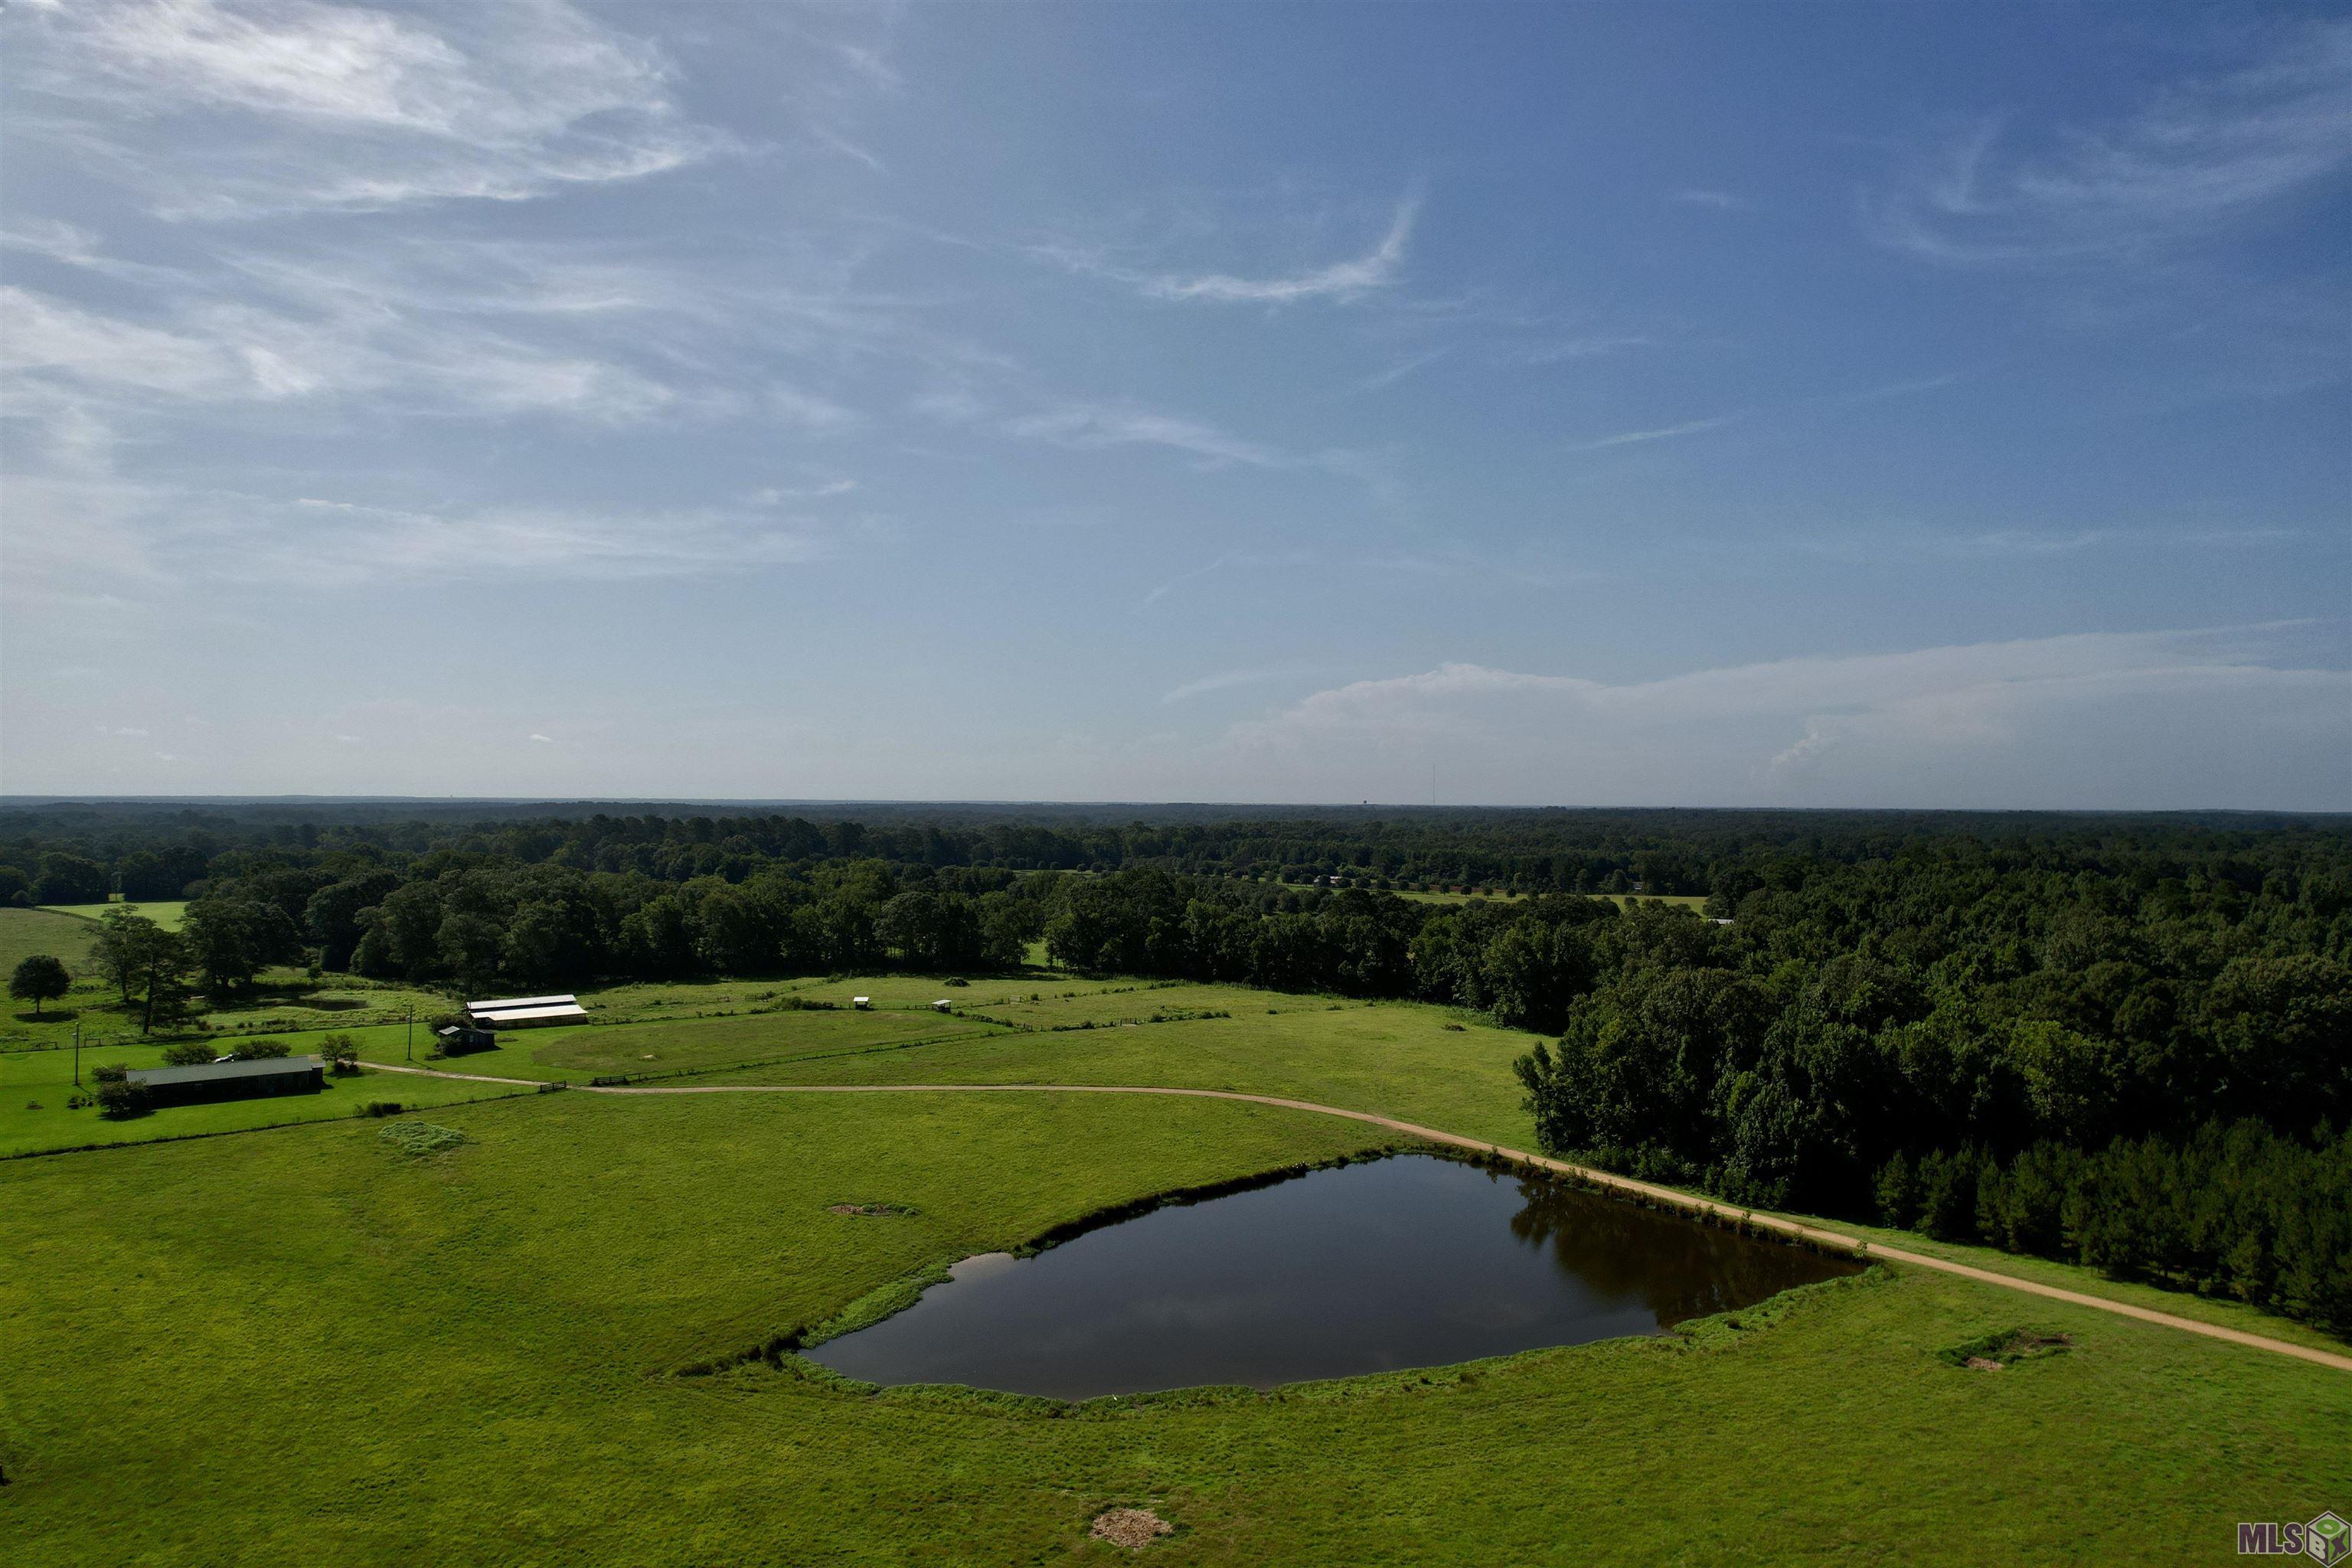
[
  {"x": 410, "y": 1054},
  {"x": 76, "y": 1053}
]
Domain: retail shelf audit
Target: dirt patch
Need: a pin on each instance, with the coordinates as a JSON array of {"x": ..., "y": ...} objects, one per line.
[
  {"x": 1133, "y": 1528},
  {"x": 869, "y": 1211},
  {"x": 1999, "y": 1352}
]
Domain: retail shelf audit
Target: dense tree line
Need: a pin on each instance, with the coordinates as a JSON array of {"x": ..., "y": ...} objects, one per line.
[
  {"x": 2010, "y": 1028},
  {"x": 77, "y": 854}
]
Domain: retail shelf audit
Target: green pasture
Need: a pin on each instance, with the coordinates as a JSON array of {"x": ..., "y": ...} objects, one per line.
[
  {"x": 36, "y": 1085},
  {"x": 165, "y": 912},
  {"x": 1397, "y": 1058},
  {"x": 307, "y": 1346},
  {"x": 705, "y": 1044},
  {"x": 24, "y": 932}
]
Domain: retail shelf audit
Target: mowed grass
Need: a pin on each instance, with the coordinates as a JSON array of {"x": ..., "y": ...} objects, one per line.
[
  {"x": 24, "y": 932},
  {"x": 165, "y": 912},
  {"x": 702, "y": 1044},
  {"x": 1437, "y": 1067},
  {"x": 473, "y": 1357},
  {"x": 36, "y": 1085}
]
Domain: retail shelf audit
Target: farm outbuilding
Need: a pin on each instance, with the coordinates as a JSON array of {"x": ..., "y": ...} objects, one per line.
[
  {"x": 212, "y": 1081},
  {"x": 526, "y": 1012},
  {"x": 456, "y": 1038}
]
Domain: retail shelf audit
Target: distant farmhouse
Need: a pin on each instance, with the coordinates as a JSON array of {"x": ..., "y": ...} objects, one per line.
[
  {"x": 526, "y": 1012},
  {"x": 214, "y": 1082}
]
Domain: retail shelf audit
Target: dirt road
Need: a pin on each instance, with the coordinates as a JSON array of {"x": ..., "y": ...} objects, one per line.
[{"x": 1666, "y": 1195}]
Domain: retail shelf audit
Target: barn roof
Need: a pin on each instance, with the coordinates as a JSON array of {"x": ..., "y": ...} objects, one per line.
[
  {"x": 208, "y": 1072},
  {"x": 561, "y": 1012},
  {"x": 513, "y": 1004}
]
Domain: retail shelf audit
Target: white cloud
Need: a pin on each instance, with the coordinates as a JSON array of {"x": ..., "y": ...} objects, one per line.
[
  {"x": 2198, "y": 157},
  {"x": 1341, "y": 281},
  {"x": 218, "y": 109},
  {"x": 326, "y": 346},
  {"x": 1226, "y": 681},
  {"x": 1632, "y": 437},
  {"x": 2159, "y": 719},
  {"x": 82, "y": 539},
  {"x": 807, "y": 410},
  {"x": 1094, "y": 425}
]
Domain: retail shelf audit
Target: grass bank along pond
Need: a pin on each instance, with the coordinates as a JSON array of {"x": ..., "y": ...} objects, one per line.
[{"x": 1415, "y": 1261}]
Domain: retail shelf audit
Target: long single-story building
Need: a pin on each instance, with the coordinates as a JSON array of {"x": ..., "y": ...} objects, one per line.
[
  {"x": 526, "y": 1012},
  {"x": 210, "y": 1082}
]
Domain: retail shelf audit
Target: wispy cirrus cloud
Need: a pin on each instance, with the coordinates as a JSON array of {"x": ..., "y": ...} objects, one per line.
[
  {"x": 1341, "y": 282},
  {"x": 1910, "y": 542},
  {"x": 1662, "y": 432},
  {"x": 217, "y": 109},
  {"x": 206, "y": 352},
  {"x": 1084, "y": 425},
  {"x": 1229, "y": 681},
  {"x": 1094, "y": 425},
  {"x": 2201, "y": 155}
]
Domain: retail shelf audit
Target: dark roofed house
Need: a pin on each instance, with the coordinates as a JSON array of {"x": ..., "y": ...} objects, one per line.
[{"x": 230, "y": 1081}]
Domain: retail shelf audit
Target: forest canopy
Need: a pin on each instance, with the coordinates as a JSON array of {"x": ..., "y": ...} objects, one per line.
[{"x": 2085, "y": 1036}]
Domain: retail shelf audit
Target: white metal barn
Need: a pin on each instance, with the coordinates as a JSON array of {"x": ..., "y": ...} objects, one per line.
[{"x": 526, "y": 1012}]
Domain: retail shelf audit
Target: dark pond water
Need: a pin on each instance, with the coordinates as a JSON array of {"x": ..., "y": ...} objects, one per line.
[{"x": 1403, "y": 1262}]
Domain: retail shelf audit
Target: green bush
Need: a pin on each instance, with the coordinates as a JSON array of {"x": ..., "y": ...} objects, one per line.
[
  {"x": 119, "y": 1099},
  {"x": 380, "y": 1108},
  {"x": 188, "y": 1053},
  {"x": 259, "y": 1050}
]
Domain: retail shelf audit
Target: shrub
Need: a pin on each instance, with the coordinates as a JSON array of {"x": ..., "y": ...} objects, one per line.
[
  {"x": 113, "y": 1073},
  {"x": 118, "y": 1099},
  {"x": 380, "y": 1108},
  {"x": 342, "y": 1053},
  {"x": 259, "y": 1050},
  {"x": 1947, "y": 1194},
  {"x": 1898, "y": 1189},
  {"x": 187, "y": 1054}
]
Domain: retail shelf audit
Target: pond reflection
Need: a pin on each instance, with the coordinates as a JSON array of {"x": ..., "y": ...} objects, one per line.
[{"x": 1403, "y": 1262}]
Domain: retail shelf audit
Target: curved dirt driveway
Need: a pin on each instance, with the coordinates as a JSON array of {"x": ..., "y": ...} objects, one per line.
[{"x": 1666, "y": 1195}]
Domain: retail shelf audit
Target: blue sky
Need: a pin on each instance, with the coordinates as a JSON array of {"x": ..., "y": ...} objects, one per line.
[{"x": 1812, "y": 406}]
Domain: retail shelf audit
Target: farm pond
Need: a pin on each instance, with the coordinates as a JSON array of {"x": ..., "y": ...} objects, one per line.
[{"x": 1412, "y": 1260}]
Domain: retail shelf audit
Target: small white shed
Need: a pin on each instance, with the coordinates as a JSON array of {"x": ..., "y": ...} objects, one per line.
[{"x": 863, "y": 1003}]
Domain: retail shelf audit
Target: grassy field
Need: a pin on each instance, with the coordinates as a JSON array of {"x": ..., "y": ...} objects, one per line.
[
  {"x": 165, "y": 912},
  {"x": 24, "y": 932},
  {"x": 36, "y": 1085},
  {"x": 475, "y": 1356},
  {"x": 1434, "y": 1065}
]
